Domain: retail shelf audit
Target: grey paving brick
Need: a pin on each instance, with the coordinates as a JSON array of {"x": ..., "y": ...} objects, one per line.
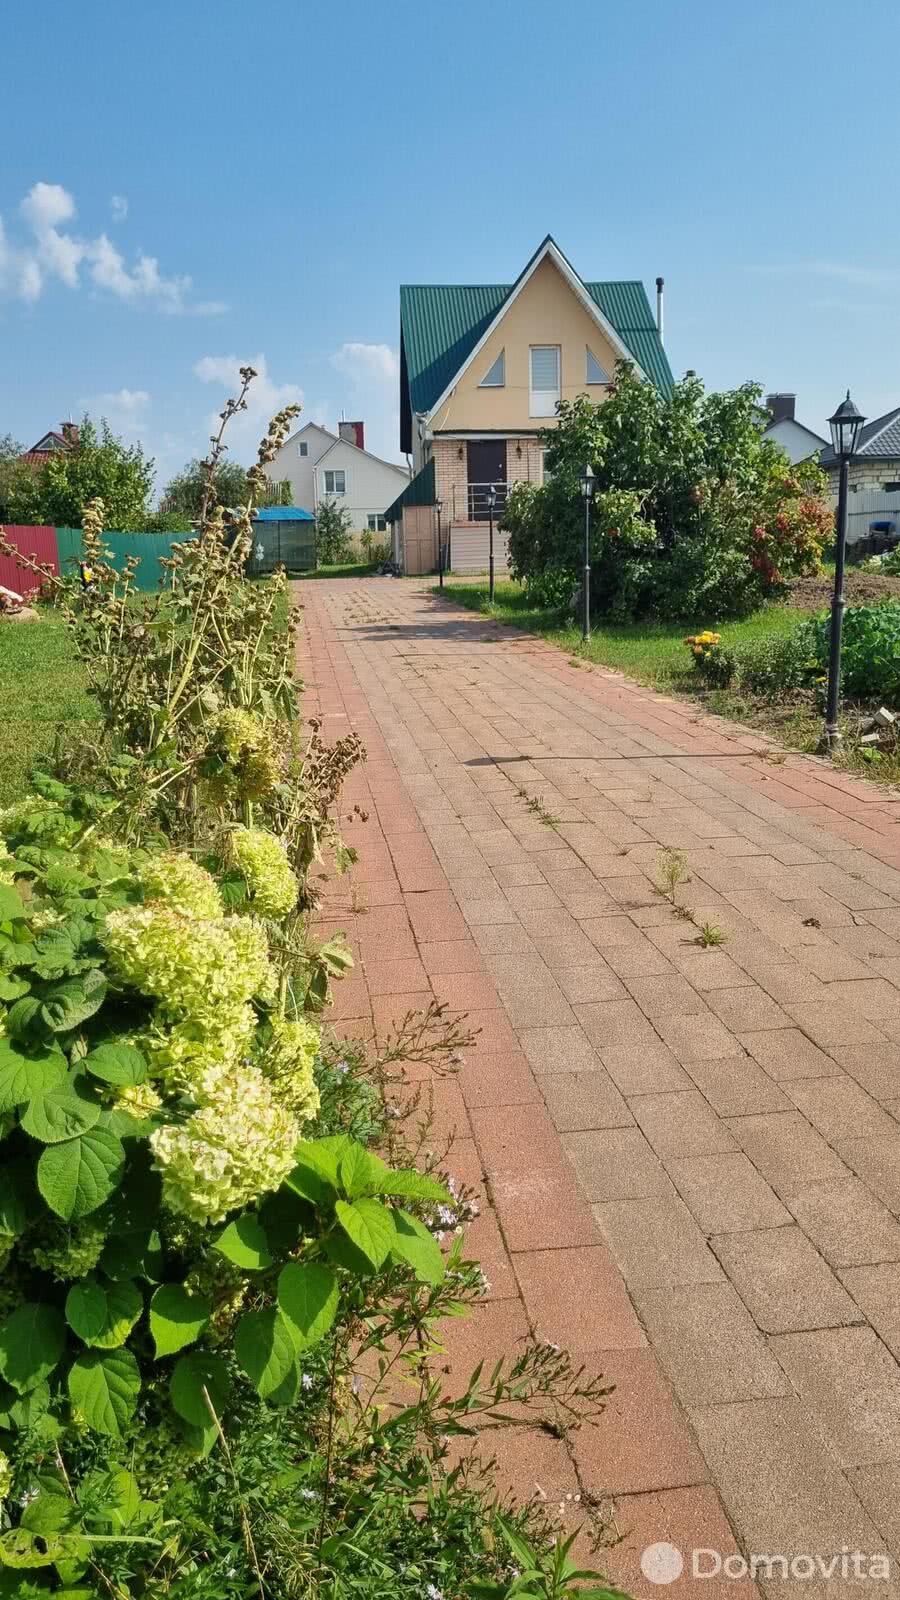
[
  {"x": 851, "y": 1385},
  {"x": 709, "y": 1345},
  {"x": 847, "y": 1223},
  {"x": 726, "y": 1194},
  {"x": 657, "y": 1242},
  {"x": 737, "y": 1087},
  {"x": 578, "y": 1100},
  {"x": 681, "y": 1124},
  {"x": 786, "y": 1150},
  {"x": 785, "y": 1283},
  {"x": 876, "y": 1290},
  {"x": 616, "y": 1164}
]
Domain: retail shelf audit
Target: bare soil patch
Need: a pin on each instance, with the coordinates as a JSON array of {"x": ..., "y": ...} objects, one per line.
[{"x": 860, "y": 589}]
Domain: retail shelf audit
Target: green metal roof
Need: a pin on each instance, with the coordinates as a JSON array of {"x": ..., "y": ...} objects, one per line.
[
  {"x": 440, "y": 325},
  {"x": 418, "y": 492}
]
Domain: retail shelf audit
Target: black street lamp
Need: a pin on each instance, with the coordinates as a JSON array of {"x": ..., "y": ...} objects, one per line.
[
  {"x": 845, "y": 428},
  {"x": 587, "y": 489},
  {"x": 439, "y": 506},
  {"x": 491, "y": 500}
]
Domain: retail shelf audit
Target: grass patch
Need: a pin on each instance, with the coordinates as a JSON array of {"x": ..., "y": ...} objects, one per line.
[
  {"x": 650, "y": 652},
  {"x": 41, "y": 685}
]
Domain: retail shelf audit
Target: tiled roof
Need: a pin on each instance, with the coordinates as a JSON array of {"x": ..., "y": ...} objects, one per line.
[
  {"x": 440, "y": 325},
  {"x": 878, "y": 440}
]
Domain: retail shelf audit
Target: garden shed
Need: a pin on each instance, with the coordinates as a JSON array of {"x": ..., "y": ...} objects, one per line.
[{"x": 283, "y": 536}]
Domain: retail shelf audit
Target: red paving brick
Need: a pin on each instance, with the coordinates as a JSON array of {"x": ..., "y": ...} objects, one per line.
[{"x": 462, "y": 896}]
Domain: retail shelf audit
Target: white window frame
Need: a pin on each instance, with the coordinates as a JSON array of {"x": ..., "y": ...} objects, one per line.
[
  {"x": 303, "y": 448},
  {"x": 539, "y": 402},
  {"x": 333, "y": 473},
  {"x": 593, "y": 383},
  {"x": 487, "y": 381},
  {"x": 375, "y": 524}
]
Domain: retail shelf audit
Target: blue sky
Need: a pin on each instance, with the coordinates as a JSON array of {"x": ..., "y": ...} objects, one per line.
[{"x": 187, "y": 185}]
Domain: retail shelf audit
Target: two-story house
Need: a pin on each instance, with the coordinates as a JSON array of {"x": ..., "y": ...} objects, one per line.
[
  {"x": 483, "y": 368},
  {"x": 320, "y": 465}
]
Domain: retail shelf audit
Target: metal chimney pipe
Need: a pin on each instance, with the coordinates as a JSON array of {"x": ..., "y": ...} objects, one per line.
[{"x": 660, "y": 285}]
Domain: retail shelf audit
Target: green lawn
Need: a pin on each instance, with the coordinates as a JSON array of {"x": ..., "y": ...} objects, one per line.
[
  {"x": 651, "y": 652},
  {"x": 344, "y": 569},
  {"x": 41, "y": 685}
]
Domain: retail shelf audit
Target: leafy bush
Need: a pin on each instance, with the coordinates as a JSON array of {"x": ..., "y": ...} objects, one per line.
[
  {"x": 768, "y": 668},
  {"x": 870, "y": 653},
  {"x": 694, "y": 512},
  {"x": 334, "y": 533},
  {"x": 888, "y": 565},
  {"x": 217, "y": 1306}
]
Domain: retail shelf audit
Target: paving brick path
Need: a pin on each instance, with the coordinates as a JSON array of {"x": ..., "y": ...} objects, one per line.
[{"x": 691, "y": 1156}]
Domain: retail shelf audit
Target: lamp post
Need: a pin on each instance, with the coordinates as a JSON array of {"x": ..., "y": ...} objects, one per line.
[
  {"x": 587, "y": 489},
  {"x": 845, "y": 427},
  {"x": 439, "y": 506},
  {"x": 491, "y": 500}
]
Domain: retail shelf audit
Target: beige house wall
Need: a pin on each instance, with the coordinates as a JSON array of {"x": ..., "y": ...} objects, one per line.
[
  {"x": 546, "y": 311},
  {"x": 524, "y": 463}
]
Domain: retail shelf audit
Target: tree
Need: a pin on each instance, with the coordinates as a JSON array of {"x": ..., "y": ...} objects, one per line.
[
  {"x": 99, "y": 466},
  {"x": 334, "y": 530},
  {"x": 694, "y": 512},
  {"x": 185, "y": 492},
  {"x": 19, "y": 490}
]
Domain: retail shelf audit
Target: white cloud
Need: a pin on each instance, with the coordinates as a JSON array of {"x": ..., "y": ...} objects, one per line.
[
  {"x": 118, "y": 205},
  {"x": 46, "y": 204},
  {"x": 264, "y": 398},
  {"x": 49, "y": 252},
  {"x": 371, "y": 372},
  {"x": 360, "y": 361},
  {"x": 127, "y": 402}
]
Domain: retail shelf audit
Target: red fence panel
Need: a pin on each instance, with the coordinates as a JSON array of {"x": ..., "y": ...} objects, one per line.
[{"x": 37, "y": 542}]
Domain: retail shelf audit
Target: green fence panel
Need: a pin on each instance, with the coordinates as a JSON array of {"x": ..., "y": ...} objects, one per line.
[{"x": 148, "y": 546}]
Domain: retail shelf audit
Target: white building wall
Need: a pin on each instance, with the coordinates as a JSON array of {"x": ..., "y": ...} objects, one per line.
[
  {"x": 798, "y": 442},
  {"x": 370, "y": 483},
  {"x": 298, "y": 469}
]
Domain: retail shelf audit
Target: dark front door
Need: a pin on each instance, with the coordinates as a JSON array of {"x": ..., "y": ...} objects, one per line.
[{"x": 486, "y": 465}]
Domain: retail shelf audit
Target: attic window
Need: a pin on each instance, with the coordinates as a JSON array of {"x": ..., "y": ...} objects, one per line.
[
  {"x": 594, "y": 372},
  {"x": 303, "y": 448},
  {"x": 495, "y": 377}
]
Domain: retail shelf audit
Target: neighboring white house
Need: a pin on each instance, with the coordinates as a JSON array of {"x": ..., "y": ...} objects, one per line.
[
  {"x": 327, "y": 466},
  {"x": 798, "y": 442}
]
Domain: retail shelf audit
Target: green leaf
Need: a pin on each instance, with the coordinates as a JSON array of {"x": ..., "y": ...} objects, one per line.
[
  {"x": 23, "y": 1410},
  {"x": 407, "y": 1184},
  {"x": 120, "y": 1064},
  {"x": 86, "y": 1309},
  {"x": 104, "y": 1388},
  {"x": 316, "y": 1175},
  {"x": 15, "y": 1186},
  {"x": 358, "y": 1172},
  {"x": 416, "y": 1246},
  {"x": 56, "y": 949},
  {"x": 103, "y": 1314},
  {"x": 32, "y": 1340},
  {"x": 244, "y": 1242},
  {"x": 308, "y": 1297},
  {"x": 134, "y": 1255},
  {"x": 284, "y": 1216},
  {"x": 265, "y": 1348},
  {"x": 66, "y": 1109},
  {"x": 24, "y": 1074},
  {"x": 176, "y": 1318},
  {"x": 13, "y": 988},
  {"x": 69, "y": 1003},
  {"x": 76, "y": 1177},
  {"x": 190, "y": 1376},
  {"x": 12, "y": 906},
  {"x": 370, "y": 1226},
  {"x": 23, "y": 1016}
]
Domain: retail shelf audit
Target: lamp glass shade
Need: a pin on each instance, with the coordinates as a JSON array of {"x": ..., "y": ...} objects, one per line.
[
  {"x": 845, "y": 428},
  {"x": 587, "y": 482}
]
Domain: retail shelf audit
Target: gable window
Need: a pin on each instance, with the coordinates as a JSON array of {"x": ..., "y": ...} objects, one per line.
[
  {"x": 544, "y": 385},
  {"x": 303, "y": 448},
  {"x": 594, "y": 373},
  {"x": 495, "y": 377},
  {"x": 335, "y": 482},
  {"x": 376, "y": 524}
]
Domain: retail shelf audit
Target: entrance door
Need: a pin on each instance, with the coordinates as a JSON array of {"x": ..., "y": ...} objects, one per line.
[{"x": 486, "y": 465}]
